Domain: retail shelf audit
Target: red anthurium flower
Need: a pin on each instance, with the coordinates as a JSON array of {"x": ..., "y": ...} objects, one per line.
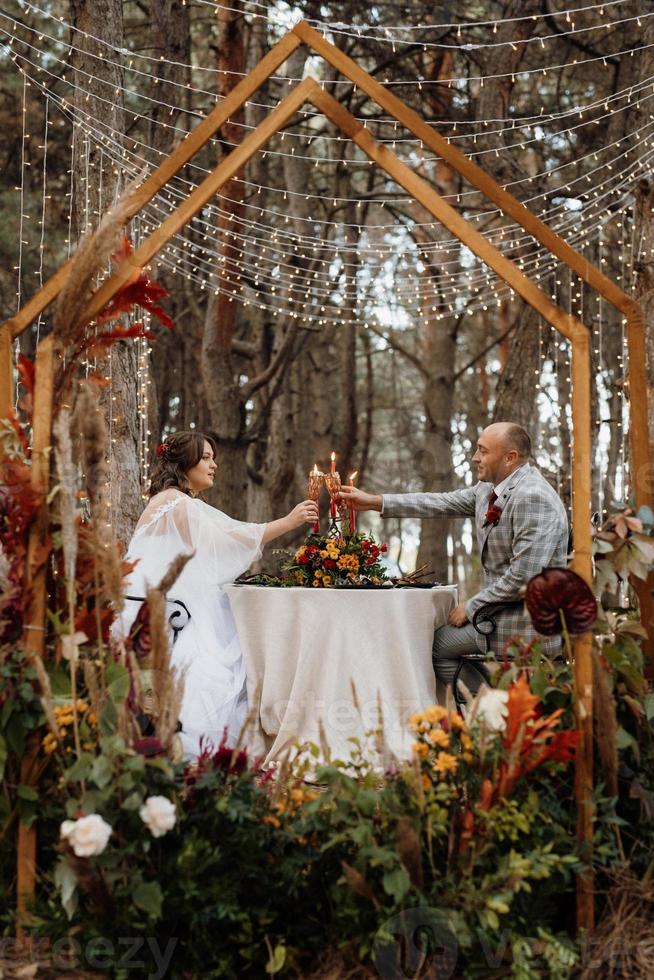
[{"x": 560, "y": 591}]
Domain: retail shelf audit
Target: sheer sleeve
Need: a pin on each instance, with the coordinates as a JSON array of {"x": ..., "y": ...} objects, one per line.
[{"x": 178, "y": 524}]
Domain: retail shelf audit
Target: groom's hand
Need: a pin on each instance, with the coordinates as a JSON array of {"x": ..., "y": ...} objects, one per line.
[
  {"x": 360, "y": 500},
  {"x": 458, "y": 616}
]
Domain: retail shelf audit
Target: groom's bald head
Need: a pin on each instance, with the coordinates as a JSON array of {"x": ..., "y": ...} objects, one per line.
[
  {"x": 501, "y": 448},
  {"x": 512, "y": 436}
]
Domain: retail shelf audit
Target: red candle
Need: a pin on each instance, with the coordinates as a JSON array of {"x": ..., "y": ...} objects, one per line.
[
  {"x": 352, "y": 518},
  {"x": 332, "y": 506}
]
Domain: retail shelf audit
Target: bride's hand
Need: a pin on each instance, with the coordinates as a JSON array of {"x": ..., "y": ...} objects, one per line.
[{"x": 303, "y": 513}]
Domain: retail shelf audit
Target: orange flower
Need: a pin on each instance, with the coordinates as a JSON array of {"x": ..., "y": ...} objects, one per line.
[{"x": 446, "y": 762}]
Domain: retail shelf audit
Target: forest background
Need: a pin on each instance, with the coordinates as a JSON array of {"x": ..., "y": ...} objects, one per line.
[{"x": 316, "y": 306}]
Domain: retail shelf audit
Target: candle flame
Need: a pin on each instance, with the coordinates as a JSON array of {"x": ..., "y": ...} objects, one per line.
[
  {"x": 315, "y": 469},
  {"x": 333, "y": 457},
  {"x": 353, "y": 475}
]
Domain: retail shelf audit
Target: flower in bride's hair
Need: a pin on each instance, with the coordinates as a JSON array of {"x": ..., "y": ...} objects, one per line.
[{"x": 162, "y": 450}]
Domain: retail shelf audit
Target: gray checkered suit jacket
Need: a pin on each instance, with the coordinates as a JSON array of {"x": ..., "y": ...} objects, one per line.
[{"x": 531, "y": 534}]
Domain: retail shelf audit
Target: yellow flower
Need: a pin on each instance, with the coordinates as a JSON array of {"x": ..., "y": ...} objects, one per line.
[
  {"x": 468, "y": 757},
  {"x": 438, "y": 737},
  {"x": 319, "y": 573},
  {"x": 456, "y": 721},
  {"x": 445, "y": 762},
  {"x": 435, "y": 713},
  {"x": 297, "y": 796},
  {"x": 324, "y": 553},
  {"x": 466, "y": 741},
  {"x": 351, "y": 576},
  {"x": 426, "y": 781},
  {"x": 49, "y": 743},
  {"x": 420, "y": 749},
  {"x": 273, "y": 821},
  {"x": 300, "y": 552},
  {"x": 316, "y": 583},
  {"x": 326, "y": 580}
]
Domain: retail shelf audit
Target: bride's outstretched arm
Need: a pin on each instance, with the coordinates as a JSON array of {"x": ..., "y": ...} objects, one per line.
[{"x": 303, "y": 513}]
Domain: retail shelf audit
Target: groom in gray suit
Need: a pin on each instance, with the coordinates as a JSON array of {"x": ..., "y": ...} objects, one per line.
[{"x": 521, "y": 527}]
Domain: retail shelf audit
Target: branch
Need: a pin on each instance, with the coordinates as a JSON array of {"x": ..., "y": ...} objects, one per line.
[
  {"x": 401, "y": 349},
  {"x": 273, "y": 365},
  {"x": 478, "y": 357},
  {"x": 244, "y": 348}
]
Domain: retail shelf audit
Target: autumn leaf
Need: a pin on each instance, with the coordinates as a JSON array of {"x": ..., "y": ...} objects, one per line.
[
  {"x": 521, "y": 708},
  {"x": 26, "y": 371}
]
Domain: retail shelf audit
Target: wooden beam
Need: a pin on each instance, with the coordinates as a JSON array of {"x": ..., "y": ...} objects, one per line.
[
  {"x": 35, "y": 584},
  {"x": 202, "y": 194},
  {"x": 182, "y": 153},
  {"x": 583, "y": 645},
  {"x": 6, "y": 372},
  {"x": 572, "y": 328}
]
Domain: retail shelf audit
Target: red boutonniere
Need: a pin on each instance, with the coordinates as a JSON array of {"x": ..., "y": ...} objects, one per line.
[{"x": 493, "y": 515}]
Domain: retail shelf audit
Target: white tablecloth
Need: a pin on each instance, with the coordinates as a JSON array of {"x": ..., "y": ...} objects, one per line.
[{"x": 305, "y": 649}]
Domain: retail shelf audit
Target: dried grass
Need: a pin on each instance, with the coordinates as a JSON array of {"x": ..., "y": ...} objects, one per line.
[
  {"x": 622, "y": 945},
  {"x": 89, "y": 423},
  {"x": 88, "y": 264},
  {"x": 67, "y": 493},
  {"x": 410, "y": 850},
  {"x": 167, "y": 687}
]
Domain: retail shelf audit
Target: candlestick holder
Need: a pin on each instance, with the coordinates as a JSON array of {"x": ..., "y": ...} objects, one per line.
[
  {"x": 337, "y": 509},
  {"x": 314, "y": 487}
]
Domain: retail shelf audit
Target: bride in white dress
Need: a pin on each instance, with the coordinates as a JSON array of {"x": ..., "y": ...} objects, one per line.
[{"x": 177, "y": 522}]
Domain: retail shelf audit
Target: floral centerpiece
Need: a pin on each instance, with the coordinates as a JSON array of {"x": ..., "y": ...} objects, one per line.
[{"x": 323, "y": 562}]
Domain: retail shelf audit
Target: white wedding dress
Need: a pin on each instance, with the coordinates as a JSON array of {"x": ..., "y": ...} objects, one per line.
[{"x": 207, "y": 649}]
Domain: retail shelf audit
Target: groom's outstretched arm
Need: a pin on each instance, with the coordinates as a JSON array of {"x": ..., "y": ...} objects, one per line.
[{"x": 455, "y": 503}]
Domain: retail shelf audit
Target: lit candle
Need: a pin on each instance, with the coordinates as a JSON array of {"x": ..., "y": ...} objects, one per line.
[
  {"x": 352, "y": 518},
  {"x": 332, "y": 505}
]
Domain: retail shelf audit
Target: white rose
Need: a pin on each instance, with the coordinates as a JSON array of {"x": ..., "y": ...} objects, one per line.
[
  {"x": 159, "y": 814},
  {"x": 87, "y": 836},
  {"x": 492, "y": 709}
]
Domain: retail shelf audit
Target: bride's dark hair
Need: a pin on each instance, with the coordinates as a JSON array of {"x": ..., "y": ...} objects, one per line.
[{"x": 175, "y": 457}]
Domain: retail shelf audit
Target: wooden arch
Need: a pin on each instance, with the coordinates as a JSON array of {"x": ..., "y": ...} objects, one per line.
[{"x": 309, "y": 90}]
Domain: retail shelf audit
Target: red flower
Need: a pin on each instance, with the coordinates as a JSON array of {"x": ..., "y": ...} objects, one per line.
[
  {"x": 493, "y": 515},
  {"x": 303, "y": 560},
  {"x": 558, "y": 592},
  {"x": 330, "y": 563},
  {"x": 371, "y": 560},
  {"x": 162, "y": 450},
  {"x": 365, "y": 545},
  {"x": 375, "y": 551},
  {"x": 149, "y": 747},
  {"x": 384, "y": 548},
  {"x": 311, "y": 549}
]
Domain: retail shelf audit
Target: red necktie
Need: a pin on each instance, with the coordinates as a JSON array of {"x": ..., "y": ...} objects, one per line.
[{"x": 492, "y": 499}]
